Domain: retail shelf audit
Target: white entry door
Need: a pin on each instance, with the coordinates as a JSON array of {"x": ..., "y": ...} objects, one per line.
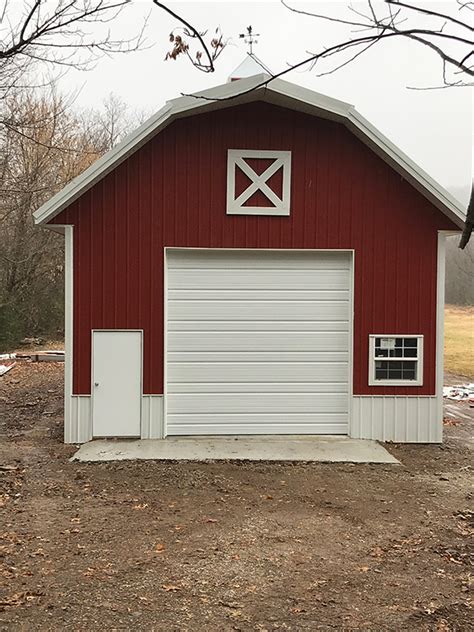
[
  {"x": 116, "y": 383},
  {"x": 258, "y": 342}
]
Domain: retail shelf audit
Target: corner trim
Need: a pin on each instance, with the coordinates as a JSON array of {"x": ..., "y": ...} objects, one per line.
[
  {"x": 80, "y": 421},
  {"x": 440, "y": 292},
  {"x": 70, "y": 431}
]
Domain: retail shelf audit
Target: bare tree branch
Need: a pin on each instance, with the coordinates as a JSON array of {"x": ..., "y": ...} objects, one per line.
[
  {"x": 469, "y": 225},
  {"x": 193, "y": 32},
  {"x": 313, "y": 58},
  {"x": 16, "y": 130},
  {"x": 425, "y": 11},
  {"x": 437, "y": 37},
  {"x": 58, "y": 33}
]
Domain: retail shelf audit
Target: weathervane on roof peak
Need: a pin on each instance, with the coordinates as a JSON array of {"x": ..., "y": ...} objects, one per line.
[{"x": 249, "y": 38}]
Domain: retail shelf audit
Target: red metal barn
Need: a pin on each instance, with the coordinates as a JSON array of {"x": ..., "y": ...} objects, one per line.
[{"x": 268, "y": 263}]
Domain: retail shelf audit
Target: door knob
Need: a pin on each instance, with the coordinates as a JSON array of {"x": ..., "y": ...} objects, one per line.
[{"x": 96, "y": 383}]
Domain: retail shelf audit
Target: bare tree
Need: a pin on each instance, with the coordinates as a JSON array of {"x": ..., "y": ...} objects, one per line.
[
  {"x": 46, "y": 146},
  {"x": 61, "y": 33},
  {"x": 459, "y": 273},
  {"x": 36, "y": 35},
  {"x": 109, "y": 124}
]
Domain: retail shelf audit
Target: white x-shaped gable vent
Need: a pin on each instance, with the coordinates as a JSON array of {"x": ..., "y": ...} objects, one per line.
[{"x": 258, "y": 182}]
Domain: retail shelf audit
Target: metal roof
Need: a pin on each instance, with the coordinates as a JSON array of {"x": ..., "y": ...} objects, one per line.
[{"x": 257, "y": 88}]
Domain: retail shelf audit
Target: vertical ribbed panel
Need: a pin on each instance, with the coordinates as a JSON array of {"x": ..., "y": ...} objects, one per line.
[
  {"x": 172, "y": 192},
  {"x": 399, "y": 419},
  {"x": 152, "y": 417},
  {"x": 78, "y": 427}
]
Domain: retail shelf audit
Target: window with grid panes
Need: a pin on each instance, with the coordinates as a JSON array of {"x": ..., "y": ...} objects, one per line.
[{"x": 396, "y": 360}]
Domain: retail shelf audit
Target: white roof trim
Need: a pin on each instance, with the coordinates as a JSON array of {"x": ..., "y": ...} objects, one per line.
[{"x": 247, "y": 90}]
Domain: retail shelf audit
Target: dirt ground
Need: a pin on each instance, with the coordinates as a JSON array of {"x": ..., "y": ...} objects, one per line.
[{"x": 226, "y": 546}]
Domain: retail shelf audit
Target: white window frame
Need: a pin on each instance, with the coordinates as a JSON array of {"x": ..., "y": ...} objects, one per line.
[
  {"x": 418, "y": 359},
  {"x": 282, "y": 160}
]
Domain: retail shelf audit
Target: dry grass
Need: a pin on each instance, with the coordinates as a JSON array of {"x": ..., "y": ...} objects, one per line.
[{"x": 459, "y": 341}]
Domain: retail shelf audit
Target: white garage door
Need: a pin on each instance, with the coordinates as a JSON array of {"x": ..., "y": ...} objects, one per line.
[{"x": 257, "y": 342}]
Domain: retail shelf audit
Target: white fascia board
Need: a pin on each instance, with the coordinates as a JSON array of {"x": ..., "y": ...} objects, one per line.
[
  {"x": 254, "y": 88},
  {"x": 251, "y": 86},
  {"x": 310, "y": 101},
  {"x": 389, "y": 152}
]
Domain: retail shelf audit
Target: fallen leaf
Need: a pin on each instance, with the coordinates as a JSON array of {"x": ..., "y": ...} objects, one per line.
[
  {"x": 18, "y": 599},
  {"x": 377, "y": 552},
  {"x": 450, "y": 422},
  {"x": 170, "y": 587}
]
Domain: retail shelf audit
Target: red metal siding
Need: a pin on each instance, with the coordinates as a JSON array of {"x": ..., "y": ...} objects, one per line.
[{"x": 172, "y": 192}]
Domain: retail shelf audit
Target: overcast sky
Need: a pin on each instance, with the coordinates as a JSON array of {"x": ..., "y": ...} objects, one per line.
[{"x": 433, "y": 127}]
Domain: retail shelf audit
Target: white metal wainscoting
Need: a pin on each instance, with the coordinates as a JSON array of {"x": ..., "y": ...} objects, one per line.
[
  {"x": 404, "y": 419},
  {"x": 78, "y": 427},
  {"x": 385, "y": 418},
  {"x": 152, "y": 417}
]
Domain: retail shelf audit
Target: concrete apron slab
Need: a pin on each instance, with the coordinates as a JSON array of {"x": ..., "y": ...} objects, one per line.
[{"x": 330, "y": 449}]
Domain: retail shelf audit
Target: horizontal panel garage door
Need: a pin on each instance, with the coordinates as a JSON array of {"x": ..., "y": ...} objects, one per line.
[{"x": 257, "y": 342}]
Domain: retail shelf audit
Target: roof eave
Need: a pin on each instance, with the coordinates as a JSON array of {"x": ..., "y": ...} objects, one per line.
[
  {"x": 278, "y": 92},
  {"x": 405, "y": 166},
  {"x": 100, "y": 168},
  {"x": 213, "y": 98}
]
